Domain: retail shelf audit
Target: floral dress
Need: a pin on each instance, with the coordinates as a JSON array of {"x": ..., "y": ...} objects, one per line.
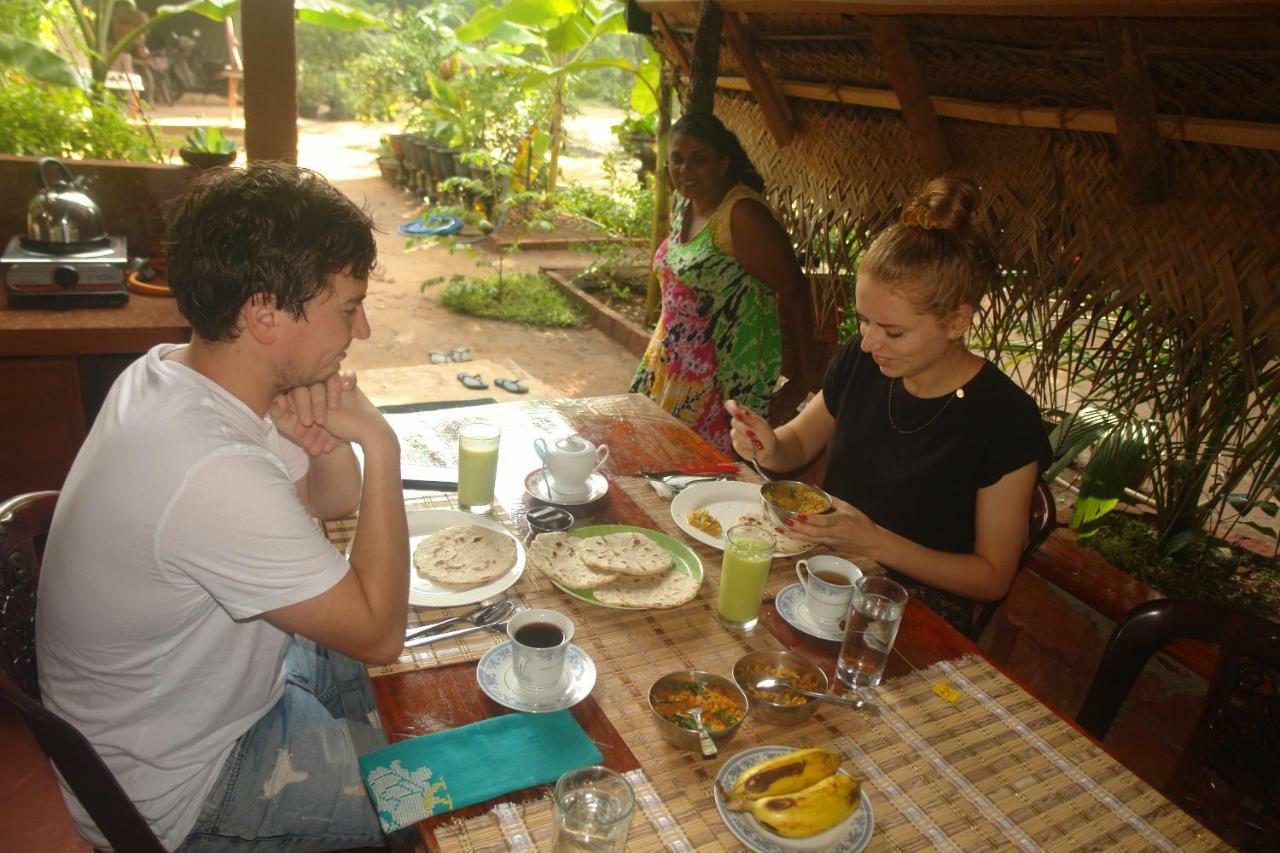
[{"x": 718, "y": 337}]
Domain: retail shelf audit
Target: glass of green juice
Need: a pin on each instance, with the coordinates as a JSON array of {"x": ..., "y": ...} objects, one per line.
[
  {"x": 748, "y": 555},
  {"x": 477, "y": 465}
]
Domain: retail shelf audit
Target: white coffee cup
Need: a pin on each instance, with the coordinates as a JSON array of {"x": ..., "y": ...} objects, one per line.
[
  {"x": 828, "y": 586},
  {"x": 539, "y": 642},
  {"x": 570, "y": 461}
]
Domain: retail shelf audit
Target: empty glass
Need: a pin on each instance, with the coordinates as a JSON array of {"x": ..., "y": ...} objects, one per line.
[{"x": 593, "y": 807}]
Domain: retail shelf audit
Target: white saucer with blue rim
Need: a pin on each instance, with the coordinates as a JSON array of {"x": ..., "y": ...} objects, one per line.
[
  {"x": 497, "y": 679},
  {"x": 793, "y": 610},
  {"x": 848, "y": 836}
]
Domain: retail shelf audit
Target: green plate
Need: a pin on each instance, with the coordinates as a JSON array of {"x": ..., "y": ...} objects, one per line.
[{"x": 682, "y": 557}]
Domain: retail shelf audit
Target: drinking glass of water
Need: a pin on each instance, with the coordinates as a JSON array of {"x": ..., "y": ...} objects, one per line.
[
  {"x": 477, "y": 465},
  {"x": 870, "y": 629},
  {"x": 593, "y": 807}
]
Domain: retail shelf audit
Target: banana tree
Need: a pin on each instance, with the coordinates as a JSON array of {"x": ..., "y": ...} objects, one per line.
[
  {"x": 94, "y": 18},
  {"x": 542, "y": 42}
]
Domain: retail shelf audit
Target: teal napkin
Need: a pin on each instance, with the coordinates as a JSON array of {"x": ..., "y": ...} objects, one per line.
[{"x": 414, "y": 779}]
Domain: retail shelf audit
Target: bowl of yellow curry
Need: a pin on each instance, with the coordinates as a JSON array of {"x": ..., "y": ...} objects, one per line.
[
  {"x": 723, "y": 704},
  {"x": 784, "y": 500},
  {"x": 779, "y": 706}
]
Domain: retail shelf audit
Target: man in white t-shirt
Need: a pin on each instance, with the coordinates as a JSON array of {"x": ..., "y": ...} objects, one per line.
[{"x": 193, "y": 621}]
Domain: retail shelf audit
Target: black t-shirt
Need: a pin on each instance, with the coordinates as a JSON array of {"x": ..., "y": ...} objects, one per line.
[{"x": 921, "y": 479}]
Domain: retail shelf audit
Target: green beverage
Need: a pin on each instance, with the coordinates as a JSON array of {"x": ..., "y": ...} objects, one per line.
[
  {"x": 748, "y": 555},
  {"x": 477, "y": 465}
]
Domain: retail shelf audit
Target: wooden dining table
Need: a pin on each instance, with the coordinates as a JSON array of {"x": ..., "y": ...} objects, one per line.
[{"x": 959, "y": 755}]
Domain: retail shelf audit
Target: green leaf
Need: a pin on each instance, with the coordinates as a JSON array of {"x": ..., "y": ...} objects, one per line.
[
  {"x": 38, "y": 62},
  {"x": 1116, "y": 461},
  {"x": 335, "y": 16},
  {"x": 526, "y": 13},
  {"x": 1076, "y": 433},
  {"x": 568, "y": 35},
  {"x": 1240, "y": 503},
  {"x": 1175, "y": 543}
]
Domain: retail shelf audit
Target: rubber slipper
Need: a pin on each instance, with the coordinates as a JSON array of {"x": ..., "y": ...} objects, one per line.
[
  {"x": 515, "y": 386},
  {"x": 472, "y": 381},
  {"x": 460, "y": 354},
  {"x": 437, "y": 357}
]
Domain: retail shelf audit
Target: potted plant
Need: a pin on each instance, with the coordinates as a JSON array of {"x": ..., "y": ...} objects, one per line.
[
  {"x": 638, "y": 135},
  {"x": 207, "y": 147},
  {"x": 388, "y": 163}
]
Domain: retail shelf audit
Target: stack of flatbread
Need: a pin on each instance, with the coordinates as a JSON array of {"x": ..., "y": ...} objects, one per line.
[
  {"x": 623, "y": 569},
  {"x": 783, "y": 545},
  {"x": 465, "y": 555}
]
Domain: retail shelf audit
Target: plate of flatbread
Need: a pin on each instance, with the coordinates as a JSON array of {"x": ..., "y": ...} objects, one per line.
[
  {"x": 723, "y": 504},
  {"x": 459, "y": 558},
  {"x": 617, "y": 565}
]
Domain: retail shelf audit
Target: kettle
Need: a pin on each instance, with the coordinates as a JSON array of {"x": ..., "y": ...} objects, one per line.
[{"x": 62, "y": 218}]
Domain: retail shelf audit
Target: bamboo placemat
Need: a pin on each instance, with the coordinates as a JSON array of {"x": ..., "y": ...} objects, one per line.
[{"x": 462, "y": 649}]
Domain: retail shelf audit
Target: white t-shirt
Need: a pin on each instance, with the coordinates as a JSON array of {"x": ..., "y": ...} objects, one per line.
[{"x": 177, "y": 526}]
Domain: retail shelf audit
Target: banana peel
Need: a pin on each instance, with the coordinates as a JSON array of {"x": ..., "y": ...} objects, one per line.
[
  {"x": 782, "y": 774},
  {"x": 811, "y": 810}
]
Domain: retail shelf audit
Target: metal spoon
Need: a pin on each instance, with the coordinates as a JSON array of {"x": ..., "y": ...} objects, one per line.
[
  {"x": 773, "y": 683},
  {"x": 759, "y": 470},
  {"x": 705, "y": 743},
  {"x": 498, "y": 627},
  {"x": 485, "y": 614}
]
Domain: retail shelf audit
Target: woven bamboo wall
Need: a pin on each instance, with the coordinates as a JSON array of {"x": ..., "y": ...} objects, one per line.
[{"x": 1207, "y": 261}]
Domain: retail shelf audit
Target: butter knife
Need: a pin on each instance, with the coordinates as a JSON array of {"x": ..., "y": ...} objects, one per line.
[{"x": 449, "y": 635}]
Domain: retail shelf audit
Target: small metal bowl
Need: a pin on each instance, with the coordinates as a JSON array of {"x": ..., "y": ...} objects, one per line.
[
  {"x": 789, "y": 662},
  {"x": 687, "y": 738},
  {"x": 779, "y": 515}
]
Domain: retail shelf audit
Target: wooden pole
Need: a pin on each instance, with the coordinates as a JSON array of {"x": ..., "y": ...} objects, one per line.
[
  {"x": 661, "y": 195},
  {"x": 705, "y": 63},
  {"x": 773, "y": 106},
  {"x": 270, "y": 80},
  {"x": 889, "y": 35},
  {"x": 1143, "y": 172}
]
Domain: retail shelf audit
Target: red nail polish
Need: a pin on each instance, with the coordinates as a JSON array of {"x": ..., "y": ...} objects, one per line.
[
  {"x": 804, "y": 517},
  {"x": 750, "y": 433},
  {"x": 789, "y": 522},
  {"x": 757, "y": 445}
]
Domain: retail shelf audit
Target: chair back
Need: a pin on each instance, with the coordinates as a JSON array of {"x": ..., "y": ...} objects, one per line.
[
  {"x": 24, "y": 528},
  {"x": 1229, "y": 773},
  {"x": 1044, "y": 517}
]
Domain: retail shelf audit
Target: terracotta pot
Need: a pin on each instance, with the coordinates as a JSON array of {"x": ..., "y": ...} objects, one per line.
[{"x": 207, "y": 159}]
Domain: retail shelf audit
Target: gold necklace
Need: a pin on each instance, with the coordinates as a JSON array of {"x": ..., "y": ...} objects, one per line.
[{"x": 958, "y": 395}]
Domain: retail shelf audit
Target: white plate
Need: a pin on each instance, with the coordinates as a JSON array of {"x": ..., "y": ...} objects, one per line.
[
  {"x": 848, "y": 837},
  {"x": 727, "y": 501},
  {"x": 795, "y": 612},
  {"x": 536, "y": 485},
  {"x": 498, "y": 681},
  {"x": 426, "y": 593}
]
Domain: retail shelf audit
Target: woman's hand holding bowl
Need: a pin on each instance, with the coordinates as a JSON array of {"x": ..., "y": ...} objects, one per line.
[{"x": 846, "y": 529}]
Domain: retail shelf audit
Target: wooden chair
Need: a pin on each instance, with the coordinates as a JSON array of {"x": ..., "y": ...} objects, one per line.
[
  {"x": 1044, "y": 517},
  {"x": 24, "y": 527},
  {"x": 1229, "y": 773}
]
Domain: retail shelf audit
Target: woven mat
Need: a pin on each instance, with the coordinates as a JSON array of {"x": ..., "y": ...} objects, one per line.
[
  {"x": 469, "y": 648},
  {"x": 986, "y": 767}
]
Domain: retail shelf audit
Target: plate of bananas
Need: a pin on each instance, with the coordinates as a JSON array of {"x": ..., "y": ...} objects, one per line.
[{"x": 776, "y": 798}]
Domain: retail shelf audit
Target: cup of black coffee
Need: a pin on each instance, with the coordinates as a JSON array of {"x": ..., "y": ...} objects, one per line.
[{"x": 539, "y": 640}]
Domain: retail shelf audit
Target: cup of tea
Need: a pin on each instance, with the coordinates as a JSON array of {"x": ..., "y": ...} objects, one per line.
[
  {"x": 828, "y": 586},
  {"x": 570, "y": 461},
  {"x": 540, "y": 641}
]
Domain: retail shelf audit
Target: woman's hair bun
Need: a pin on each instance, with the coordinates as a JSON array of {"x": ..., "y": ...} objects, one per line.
[{"x": 945, "y": 204}]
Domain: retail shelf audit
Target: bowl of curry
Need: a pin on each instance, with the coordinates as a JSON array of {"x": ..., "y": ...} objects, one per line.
[
  {"x": 779, "y": 706},
  {"x": 784, "y": 500},
  {"x": 724, "y": 706}
]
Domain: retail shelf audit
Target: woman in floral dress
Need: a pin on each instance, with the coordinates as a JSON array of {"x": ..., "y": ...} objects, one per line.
[{"x": 732, "y": 291}]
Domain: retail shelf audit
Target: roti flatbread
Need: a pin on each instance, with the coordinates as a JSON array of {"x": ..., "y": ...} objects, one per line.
[
  {"x": 556, "y": 556},
  {"x": 625, "y": 554},
  {"x": 465, "y": 555},
  {"x": 783, "y": 544},
  {"x": 670, "y": 590}
]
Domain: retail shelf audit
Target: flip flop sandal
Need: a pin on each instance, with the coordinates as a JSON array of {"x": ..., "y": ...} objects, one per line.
[
  {"x": 472, "y": 381},
  {"x": 437, "y": 357},
  {"x": 515, "y": 386},
  {"x": 460, "y": 354}
]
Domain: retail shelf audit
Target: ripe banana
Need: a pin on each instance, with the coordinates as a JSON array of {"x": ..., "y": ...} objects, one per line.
[
  {"x": 782, "y": 774},
  {"x": 811, "y": 810}
]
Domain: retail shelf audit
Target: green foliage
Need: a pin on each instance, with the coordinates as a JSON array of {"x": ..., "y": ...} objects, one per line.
[
  {"x": 209, "y": 140},
  {"x": 625, "y": 209},
  {"x": 60, "y": 121},
  {"x": 1205, "y": 568},
  {"x": 519, "y": 297}
]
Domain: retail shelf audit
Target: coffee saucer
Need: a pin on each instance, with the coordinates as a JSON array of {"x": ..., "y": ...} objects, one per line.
[
  {"x": 795, "y": 612},
  {"x": 537, "y": 484},
  {"x": 498, "y": 680}
]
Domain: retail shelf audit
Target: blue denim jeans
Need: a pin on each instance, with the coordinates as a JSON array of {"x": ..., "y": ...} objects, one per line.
[{"x": 292, "y": 782}]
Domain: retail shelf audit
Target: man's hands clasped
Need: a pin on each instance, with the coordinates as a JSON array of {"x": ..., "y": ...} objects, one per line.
[{"x": 322, "y": 417}]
